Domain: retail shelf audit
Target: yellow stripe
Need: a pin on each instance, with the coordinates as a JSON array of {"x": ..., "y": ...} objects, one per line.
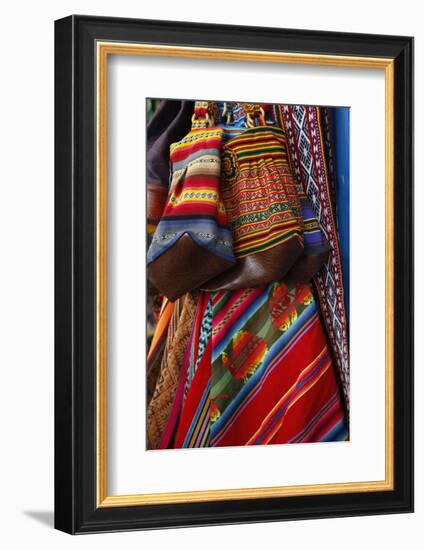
[
  {"x": 199, "y": 423},
  {"x": 261, "y": 145},
  {"x": 278, "y": 238},
  {"x": 239, "y": 215},
  {"x": 241, "y": 251},
  {"x": 247, "y": 201},
  {"x": 187, "y": 190},
  {"x": 195, "y": 200},
  {"x": 276, "y": 226},
  {"x": 291, "y": 221},
  {"x": 266, "y": 134}
]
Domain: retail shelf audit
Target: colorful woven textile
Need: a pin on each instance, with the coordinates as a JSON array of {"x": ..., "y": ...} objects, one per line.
[
  {"x": 194, "y": 206},
  {"x": 313, "y": 236},
  {"x": 328, "y": 149},
  {"x": 194, "y": 423},
  {"x": 178, "y": 334},
  {"x": 272, "y": 372},
  {"x": 234, "y": 112},
  {"x": 266, "y": 375},
  {"x": 262, "y": 204},
  {"x": 255, "y": 367},
  {"x": 192, "y": 242},
  {"x": 231, "y": 118},
  {"x": 201, "y": 335},
  {"x": 307, "y": 156}
]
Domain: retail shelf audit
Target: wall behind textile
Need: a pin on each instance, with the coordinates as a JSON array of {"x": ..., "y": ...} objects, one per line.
[{"x": 26, "y": 289}]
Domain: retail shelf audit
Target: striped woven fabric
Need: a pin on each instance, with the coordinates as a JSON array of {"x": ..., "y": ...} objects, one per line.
[
  {"x": 260, "y": 197},
  {"x": 232, "y": 119},
  {"x": 313, "y": 236},
  {"x": 266, "y": 375},
  {"x": 272, "y": 372},
  {"x": 194, "y": 423},
  {"x": 194, "y": 206}
]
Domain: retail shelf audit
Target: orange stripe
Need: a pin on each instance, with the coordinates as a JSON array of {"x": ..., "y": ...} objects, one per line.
[{"x": 164, "y": 318}]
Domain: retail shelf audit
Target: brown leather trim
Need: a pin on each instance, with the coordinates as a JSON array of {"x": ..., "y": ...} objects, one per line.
[
  {"x": 308, "y": 265},
  {"x": 156, "y": 202},
  {"x": 185, "y": 266},
  {"x": 258, "y": 269}
]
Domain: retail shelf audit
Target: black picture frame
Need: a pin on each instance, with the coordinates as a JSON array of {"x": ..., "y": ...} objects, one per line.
[{"x": 76, "y": 510}]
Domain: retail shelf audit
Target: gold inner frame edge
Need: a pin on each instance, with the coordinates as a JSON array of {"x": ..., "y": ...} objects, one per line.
[{"x": 103, "y": 49}]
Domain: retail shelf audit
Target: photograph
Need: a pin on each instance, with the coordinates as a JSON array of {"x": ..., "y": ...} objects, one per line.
[
  {"x": 233, "y": 274},
  {"x": 248, "y": 273}
]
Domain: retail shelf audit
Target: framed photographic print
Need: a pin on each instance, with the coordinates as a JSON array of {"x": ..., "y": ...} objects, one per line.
[{"x": 234, "y": 274}]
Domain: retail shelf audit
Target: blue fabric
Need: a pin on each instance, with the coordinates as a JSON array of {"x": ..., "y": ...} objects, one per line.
[
  {"x": 205, "y": 232},
  {"x": 340, "y": 126}
]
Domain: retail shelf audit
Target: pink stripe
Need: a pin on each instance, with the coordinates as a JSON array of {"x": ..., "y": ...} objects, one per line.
[
  {"x": 235, "y": 315},
  {"x": 219, "y": 315},
  {"x": 212, "y": 142},
  {"x": 202, "y": 431}
]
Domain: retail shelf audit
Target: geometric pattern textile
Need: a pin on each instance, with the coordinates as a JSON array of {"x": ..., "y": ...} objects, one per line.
[{"x": 304, "y": 132}]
